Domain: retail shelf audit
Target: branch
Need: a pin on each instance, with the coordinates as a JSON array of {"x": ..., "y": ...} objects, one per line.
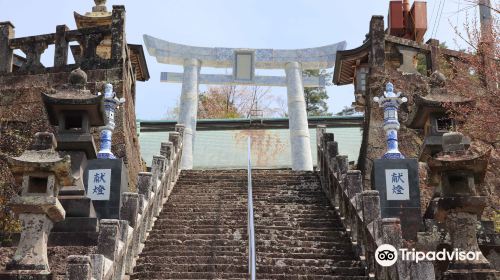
[
  {"x": 470, "y": 43},
  {"x": 486, "y": 5}
]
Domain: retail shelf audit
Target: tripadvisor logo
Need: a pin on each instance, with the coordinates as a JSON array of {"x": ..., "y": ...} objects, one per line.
[{"x": 387, "y": 255}]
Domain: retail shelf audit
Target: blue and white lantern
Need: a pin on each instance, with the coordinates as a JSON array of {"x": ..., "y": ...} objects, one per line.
[
  {"x": 390, "y": 102},
  {"x": 111, "y": 102}
]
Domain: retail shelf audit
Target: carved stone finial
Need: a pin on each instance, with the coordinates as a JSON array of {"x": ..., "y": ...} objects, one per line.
[
  {"x": 100, "y": 6},
  {"x": 437, "y": 79},
  {"x": 78, "y": 78},
  {"x": 389, "y": 87}
]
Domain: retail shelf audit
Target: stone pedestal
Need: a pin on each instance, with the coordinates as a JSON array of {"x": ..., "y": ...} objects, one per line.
[
  {"x": 31, "y": 253},
  {"x": 459, "y": 215},
  {"x": 105, "y": 191},
  {"x": 397, "y": 182}
]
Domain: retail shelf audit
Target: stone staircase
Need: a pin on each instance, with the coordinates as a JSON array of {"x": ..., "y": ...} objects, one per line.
[{"x": 201, "y": 232}]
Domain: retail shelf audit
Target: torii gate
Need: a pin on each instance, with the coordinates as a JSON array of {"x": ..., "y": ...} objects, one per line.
[{"x": 244, "y": 62}]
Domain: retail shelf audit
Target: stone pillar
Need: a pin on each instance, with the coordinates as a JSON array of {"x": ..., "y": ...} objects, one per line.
[
  {"x": 433, "y": 56},
  {"x": 79, "y": 268},
  {"x": 61, "y": 46},
  {"x": 299, "y": 129},
  {"x": 118, "y": 32},
  {"x": 108, "y": 240},
  {"x": 391, "y": 234},
  {"x": 320, "y": 130},
  {"x": 189, "y": 109},
  {"x": 6, "y": 53}
]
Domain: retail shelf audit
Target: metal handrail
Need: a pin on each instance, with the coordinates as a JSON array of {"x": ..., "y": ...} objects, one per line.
[{"x": 251, "y": 229}]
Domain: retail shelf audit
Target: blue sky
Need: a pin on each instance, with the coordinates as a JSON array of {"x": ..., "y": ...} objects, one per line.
[{"x": 227, "y": 23}]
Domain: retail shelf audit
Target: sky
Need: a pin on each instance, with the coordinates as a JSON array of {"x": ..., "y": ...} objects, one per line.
[{"x": 278, "y": 24}]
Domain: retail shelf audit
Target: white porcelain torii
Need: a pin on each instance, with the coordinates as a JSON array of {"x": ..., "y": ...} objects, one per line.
[{"x": 293, "y": 61}]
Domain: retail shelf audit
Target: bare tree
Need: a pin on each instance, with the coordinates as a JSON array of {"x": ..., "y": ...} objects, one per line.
[{"x": 475, "y": 75}]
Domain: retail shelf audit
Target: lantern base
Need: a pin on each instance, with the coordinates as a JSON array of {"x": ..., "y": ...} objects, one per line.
[{"x": 393, "y": 156}]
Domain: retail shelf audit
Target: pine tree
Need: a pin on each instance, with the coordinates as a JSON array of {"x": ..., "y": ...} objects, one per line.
[{"x": 316, "y": 97}]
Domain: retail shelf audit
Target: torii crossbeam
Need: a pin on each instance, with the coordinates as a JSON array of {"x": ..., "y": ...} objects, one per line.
[{"x": 244, "y": 62}]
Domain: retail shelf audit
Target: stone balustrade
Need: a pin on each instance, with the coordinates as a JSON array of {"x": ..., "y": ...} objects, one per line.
[
  {"x": 85, "y": 53},
  {"x": 121, "y": 241},
  {"x": 361, "y": 215}
]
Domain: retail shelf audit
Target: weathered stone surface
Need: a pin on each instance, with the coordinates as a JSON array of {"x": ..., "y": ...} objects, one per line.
[
  {"x": 79, "y": 267},
  {"x": 56, "y": 256},
  {"x": 201, "y": 232},
  {"x": 31, "y": 253},
  {"x": 21, "y": 112}
]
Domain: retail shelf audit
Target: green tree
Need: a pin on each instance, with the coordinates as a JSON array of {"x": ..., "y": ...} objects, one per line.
[
  {"x": 316, "y": 96},
  {"x": 348, "y": 111}
]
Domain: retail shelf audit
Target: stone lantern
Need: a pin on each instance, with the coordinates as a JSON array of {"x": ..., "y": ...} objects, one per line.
[
  {"x": 430, "y": 114},
  {"x": 458, "y": 173},
  {"x": 394, "y": 176},
  {"x": 75, "y": 110},
  {"x": 390, "y": 101},
  {"x": 111, "y": 102},
  {"x": 41, "y": 172}
]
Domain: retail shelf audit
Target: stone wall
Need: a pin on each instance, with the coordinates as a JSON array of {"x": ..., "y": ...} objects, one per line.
[
  {"x": 21, "y": 110},
  {"x": 387, "y": 63},
  {"x": 22, "y": 113}
]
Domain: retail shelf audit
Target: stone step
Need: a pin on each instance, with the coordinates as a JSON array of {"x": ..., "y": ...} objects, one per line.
[
  {"x": 201, "y": 232},
  {"x": 242, "y": 188},
  {"x": 279, "y": 268},
  {"x": 198, "y": 207},
  {"x": 298, "y": 233},
  {"x": 217, "y": 219},
  {"x": 156, "y": 247},
  {"x": 161, "y": 226},
  {"x": 154, "y": 275},
  {"x": 242, "y": 258},
  {"x": 265, "y": 276},
  {"x": 258, "y": 213},
  {"x": 262, "y": 244},
  {"x": 344, "y": 257},
  {"x": 242, "y": 194},
  {"x": 255, "y": 178},
  {"x": 241, "y": 276}
]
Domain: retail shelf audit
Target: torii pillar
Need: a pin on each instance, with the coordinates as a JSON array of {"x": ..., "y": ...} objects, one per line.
[
  {"x": 189, "y": 109},
  {"x": 297, "y": 116}
]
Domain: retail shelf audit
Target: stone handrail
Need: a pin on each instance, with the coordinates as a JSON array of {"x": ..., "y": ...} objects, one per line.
[
  {"x": 121, "y": 241},
  {"x": 85, "y": 54},
  {"x": 361, "y": 214}
]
